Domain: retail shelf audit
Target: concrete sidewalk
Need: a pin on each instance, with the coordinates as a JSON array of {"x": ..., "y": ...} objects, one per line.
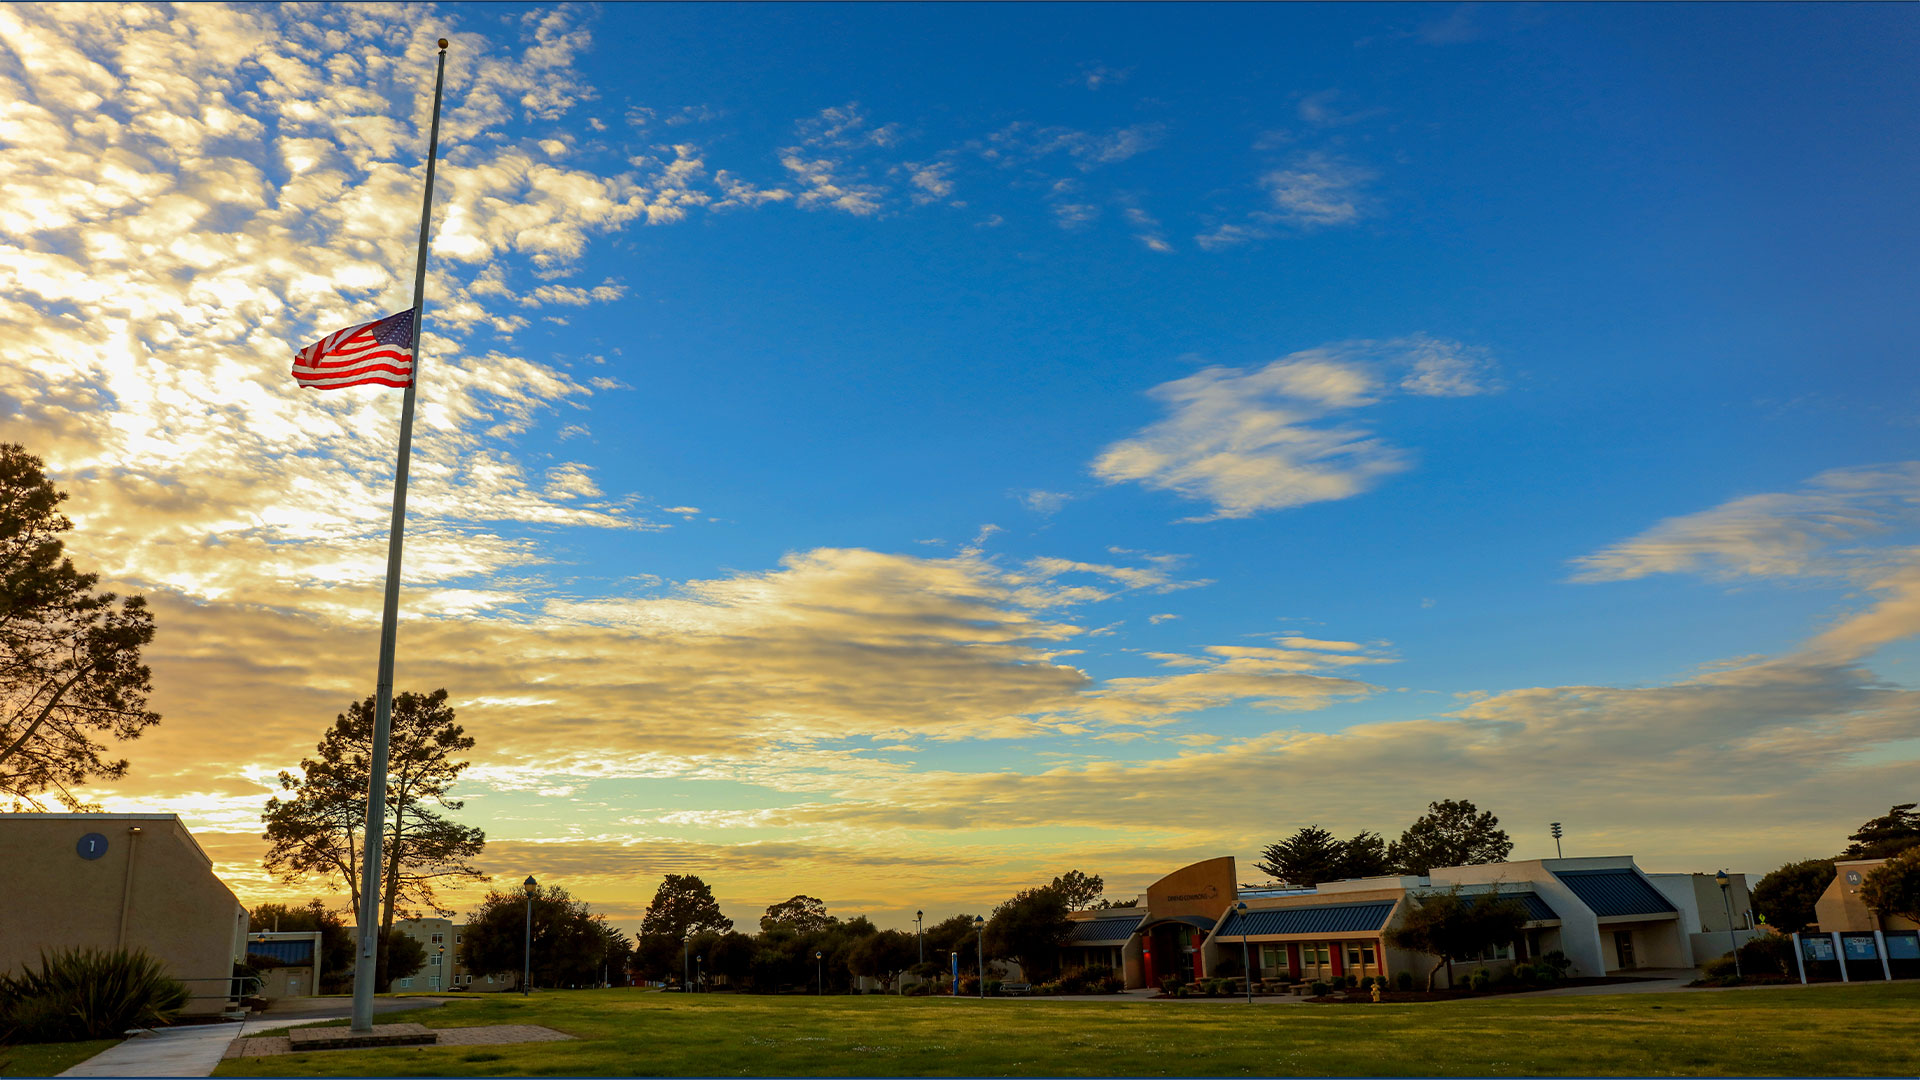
[{"x": 195, "y": 1049}]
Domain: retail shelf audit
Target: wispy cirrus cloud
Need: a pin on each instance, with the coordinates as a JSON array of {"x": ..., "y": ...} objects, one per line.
[
  {"x": 1774, "y": 535},
  {"x": 1253, "y": 440}
]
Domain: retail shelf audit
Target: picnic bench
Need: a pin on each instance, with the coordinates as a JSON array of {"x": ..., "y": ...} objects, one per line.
[{"x": 1015, "y": 989}]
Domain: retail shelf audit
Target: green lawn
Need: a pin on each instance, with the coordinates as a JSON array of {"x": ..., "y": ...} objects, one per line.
[
  {"x": 48, "y": 1059},
  {"x": 1859, "y": 1030}
]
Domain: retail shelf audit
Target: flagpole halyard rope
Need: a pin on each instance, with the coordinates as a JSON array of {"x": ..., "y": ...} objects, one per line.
[{"x": 365, "y": 968}]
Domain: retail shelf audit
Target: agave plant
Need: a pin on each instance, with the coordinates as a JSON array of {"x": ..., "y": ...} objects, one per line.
[{"x": 87, "y": 994}]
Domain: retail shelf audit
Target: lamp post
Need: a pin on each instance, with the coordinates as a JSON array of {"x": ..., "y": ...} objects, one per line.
[
  {"x": 686, "y": 972},
  {"x": 1246, "y": 959},
  {"x": 526, "y": 976},
  {"x": 440, "y": 961},
  {"x": 980, "y": 951},
  {"x": 699, "y": 973},
  {"x": 820, "y": 971},
  {"x": 1726, "y": 898},
  {"x": 920, "y": 934},
  {"x": 1554, "y": 827}
]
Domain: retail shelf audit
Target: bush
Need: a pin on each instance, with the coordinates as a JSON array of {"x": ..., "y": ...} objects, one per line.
[
  {"x": 1227, "y": 965},
  {"x": 1504, "y": 978},
  {"x": 1403, "y": 981},
  {"x": 1171, "y": 983},
  {"x": 87, "y": 994},
  {"x": 1556, "y": 962},
  {"x": 993, "y": 987},
  {"x": 1479, "y": 980},
  {"x": 1718, "y": 967},
  {"x": 1318, "y": 989},
  {"x": 1353, "y": 980},
  {"x": 1768, "y": 954},
  {"x": 1096, "y": 973},
  {"x": 1113, "y": 984}
]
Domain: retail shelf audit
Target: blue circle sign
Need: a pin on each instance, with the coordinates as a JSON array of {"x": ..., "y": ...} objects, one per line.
[{"x": 91, "y": 846}]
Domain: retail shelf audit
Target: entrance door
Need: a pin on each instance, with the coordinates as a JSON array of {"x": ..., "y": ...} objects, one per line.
[{"x": 1623, "y": 946}]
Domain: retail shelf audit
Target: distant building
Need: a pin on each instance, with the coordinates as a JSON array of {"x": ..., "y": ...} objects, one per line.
[
  {"x": 121, "y": 880},
  {"x": 1840, "y": 907},
  {"x": 288, "y": 962},
  {"x": 1604, "y": 914},
  {"x": 446, "y": 967}
]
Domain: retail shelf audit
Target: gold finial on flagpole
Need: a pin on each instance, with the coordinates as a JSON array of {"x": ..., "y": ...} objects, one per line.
[{"x": 443, "y": 44}]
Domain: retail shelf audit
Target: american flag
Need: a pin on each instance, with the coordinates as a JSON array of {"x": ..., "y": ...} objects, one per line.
[{"x": 376, "y": 353}]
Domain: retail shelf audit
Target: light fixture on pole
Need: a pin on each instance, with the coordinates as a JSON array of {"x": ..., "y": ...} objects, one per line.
[
  {"x": 686, "y": 971},
  {"x": 1554, "y": 827},
  {"x": 1246, "y": 959},
  {"x": 440, "y": 961},
  {"x": 920, "y": 934},
  {"x": 526, "y": 975},
  {"x": 1725, "y": 882},
  {"x": 820, "y": 970},
  {"x": 980, "y": 954},
  {"x": 699, "y": 973}
]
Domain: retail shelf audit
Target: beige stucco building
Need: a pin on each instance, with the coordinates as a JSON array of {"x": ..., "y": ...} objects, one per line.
[
  {"x": 446, "y": 966},
  {"x": 1604, "y": 914},
  {"x": 1840, "y": 907},
  {"x": 120, "y": 880}
]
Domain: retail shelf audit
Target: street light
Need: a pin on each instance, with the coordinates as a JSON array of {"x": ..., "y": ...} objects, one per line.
[
  {"x": 820, "y": 971},
  {"x": 1726, "y": 884},
  {"x": 440, "y": 961},
  {"x": 980, "y": 956},
  {"x": 920, "y": 934},
  {"x": 686, "y": 973},
  {"x": 699, "y": 973},
  {"x": 526, "y": 978},
  {"x": 1554, "y": 827},
  {"x": 1246, "y": 963}
]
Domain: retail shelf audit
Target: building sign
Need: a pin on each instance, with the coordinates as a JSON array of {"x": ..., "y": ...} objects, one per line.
[
  {"x": 1817, "y": 948},
  {"x": 1205, "y": 889},
  {"x": 1903, "y": 946},
  {"x": 1853, "y": 877},
  {"x": 1858, "y": 947}
]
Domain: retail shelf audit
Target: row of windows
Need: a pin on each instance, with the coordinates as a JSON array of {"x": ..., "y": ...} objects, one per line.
[{"x": 433, "y": 982}]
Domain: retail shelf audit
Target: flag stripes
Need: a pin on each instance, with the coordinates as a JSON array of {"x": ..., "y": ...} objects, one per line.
[{"x": 378, "y": 353}]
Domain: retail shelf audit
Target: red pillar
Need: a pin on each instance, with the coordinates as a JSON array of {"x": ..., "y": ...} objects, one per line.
[
  {"x": 1337, "y": 952},
  {"x": 1146, "y": 961},
  {"x": 1293, "y": 960}
]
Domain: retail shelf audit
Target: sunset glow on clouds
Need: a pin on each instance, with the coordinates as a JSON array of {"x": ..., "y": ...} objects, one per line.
[{"x": 834, "y": 475}]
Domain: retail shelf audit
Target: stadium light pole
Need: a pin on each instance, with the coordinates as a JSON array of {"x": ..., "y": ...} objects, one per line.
[
  {"x": 1554, "y": 827},
  {"x": 1726, "y": 897},
  {"x": 1246, "y": 959},
  {"x": 526, "y": 977}
]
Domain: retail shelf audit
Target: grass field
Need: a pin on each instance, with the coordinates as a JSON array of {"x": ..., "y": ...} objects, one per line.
[
  {"x": 1820, "y": 1031},
  {"x": 48, "y": 1059}
]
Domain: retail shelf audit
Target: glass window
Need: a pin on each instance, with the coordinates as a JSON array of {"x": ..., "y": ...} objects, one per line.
[
  {"x": 437, "y": 939},
  {"x": 434, "y": 960},
  {"x": 406, "y": 984},
  {"x": 456, "y": 939},
  {"x": 1366, "y": 955}
]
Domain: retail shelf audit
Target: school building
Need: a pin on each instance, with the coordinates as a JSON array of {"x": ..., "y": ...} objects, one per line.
[
  {"x": 110, "y": 881},
  {"x": 446, "y": 966},
  {"x": 1605, "y": 914}
]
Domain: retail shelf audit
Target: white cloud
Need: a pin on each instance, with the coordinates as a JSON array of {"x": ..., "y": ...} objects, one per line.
[
  {"x": 1779, "y": 535},
  {"x": 1254, "y": 440},
  {"x": 1318, "y": 189}
]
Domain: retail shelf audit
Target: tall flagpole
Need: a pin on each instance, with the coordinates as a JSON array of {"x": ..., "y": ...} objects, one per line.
[{"x": 365, "y": 967}]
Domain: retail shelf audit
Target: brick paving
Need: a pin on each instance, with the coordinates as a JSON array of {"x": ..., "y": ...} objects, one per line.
[{"x": 489, "y": 1035}]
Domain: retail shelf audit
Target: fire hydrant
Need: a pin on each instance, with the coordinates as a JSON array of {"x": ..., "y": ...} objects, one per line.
[{"x": 1376, "y": 992}]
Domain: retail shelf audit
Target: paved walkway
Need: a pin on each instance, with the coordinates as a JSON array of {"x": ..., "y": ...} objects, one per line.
[{"x": 195, "y": 1049}]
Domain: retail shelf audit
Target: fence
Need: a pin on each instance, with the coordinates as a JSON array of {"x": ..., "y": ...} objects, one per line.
[{"x": 1857, "y": 955}]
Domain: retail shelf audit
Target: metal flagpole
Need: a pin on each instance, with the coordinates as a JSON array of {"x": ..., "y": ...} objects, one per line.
[{"x": 366, "y": 964}]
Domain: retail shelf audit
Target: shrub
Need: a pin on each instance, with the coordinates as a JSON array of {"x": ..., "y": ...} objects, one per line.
[
  {"x": 1113, "y": 984},
  {"x": 1318, "y": 989},
  {"x": 1479, "y": 980},
  {"x": 1556, "y": 962},
  {"x": 1504, "y": 978},
  {"x": 1096, "y": 973},
  {"x": 1353, "y": 980},
  {"x": 1070, "y": 983},
  {"x": 993, "y": 987},
  {"x": 1171, "y": 983},
  {"x": 1718, "y": 967},
  {"x": 1768, "y": 954},
  {"x": 1403, "y": 981},
  {"x": 87, "y": 994}
]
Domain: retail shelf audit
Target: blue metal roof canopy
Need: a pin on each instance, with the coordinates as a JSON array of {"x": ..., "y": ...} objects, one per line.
[
  {"x": 287, "y": 952},
  {"x": 1104, "y": 931},
  {"x": 1361, "y": 918},
  {"x": 1615, "y": 892}
]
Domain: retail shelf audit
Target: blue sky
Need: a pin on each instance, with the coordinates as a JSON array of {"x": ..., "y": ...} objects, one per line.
[{"x": 900, "y": 453}]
